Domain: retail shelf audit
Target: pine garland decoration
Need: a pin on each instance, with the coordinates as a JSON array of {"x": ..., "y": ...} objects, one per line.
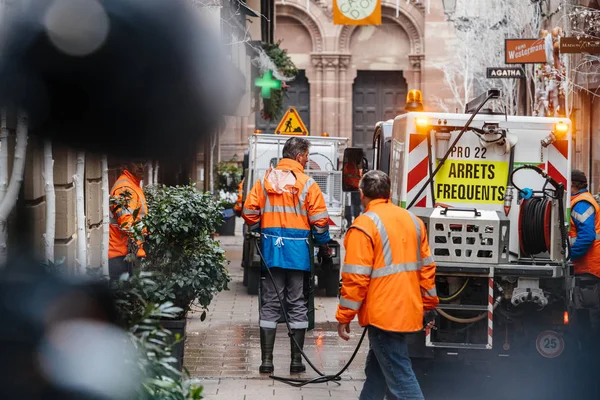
[{"x": 273, "y": 107}]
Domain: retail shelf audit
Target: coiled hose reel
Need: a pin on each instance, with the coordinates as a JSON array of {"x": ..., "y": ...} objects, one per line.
[{"x": 535, "y": 215}]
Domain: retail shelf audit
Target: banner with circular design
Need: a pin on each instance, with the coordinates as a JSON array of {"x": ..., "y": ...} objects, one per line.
[{"x": 357, "y": 12}]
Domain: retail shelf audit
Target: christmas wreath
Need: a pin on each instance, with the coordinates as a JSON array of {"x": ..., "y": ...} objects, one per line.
[{"x": 273, "y": 107}]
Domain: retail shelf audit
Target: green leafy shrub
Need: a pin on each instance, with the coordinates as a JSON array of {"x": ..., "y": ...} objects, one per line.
[
  {"x": 183, "y": 264},
  {"x": 159, "y": 380},
  {"x": 188, "y": 265}
]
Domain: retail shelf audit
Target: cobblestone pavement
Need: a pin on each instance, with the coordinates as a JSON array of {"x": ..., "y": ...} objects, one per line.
[{"x": 224, "y": 349}]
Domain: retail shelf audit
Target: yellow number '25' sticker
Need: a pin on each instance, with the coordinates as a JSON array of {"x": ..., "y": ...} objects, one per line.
[{"x": 469, "y": 181}]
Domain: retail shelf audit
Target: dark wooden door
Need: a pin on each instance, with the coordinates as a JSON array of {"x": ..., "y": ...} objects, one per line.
[
  {"x": 376, "y": 96},
  {"x": 298, "y": 96}
]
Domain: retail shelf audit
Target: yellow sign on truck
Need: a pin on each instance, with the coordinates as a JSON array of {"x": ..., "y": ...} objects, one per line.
[{"x": 468, "y": 181}]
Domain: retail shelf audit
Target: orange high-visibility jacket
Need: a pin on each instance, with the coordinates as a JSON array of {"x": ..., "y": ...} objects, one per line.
[
  {"x": 388, "y": 276},
  {"x": 118, "y": 239},
  {"x": 590, "y": 262},
  {"x": 286, "y": 218},
  {"x": 239, "y": 204},
  {"x": 352, "y": 174}
]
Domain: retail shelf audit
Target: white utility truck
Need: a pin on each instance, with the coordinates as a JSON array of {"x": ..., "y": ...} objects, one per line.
[
  {"x": 265, "y": 150},
  {"x": 496, "y": 206}
]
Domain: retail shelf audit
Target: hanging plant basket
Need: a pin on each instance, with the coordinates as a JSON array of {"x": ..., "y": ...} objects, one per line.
[{"x": 273, "y": 108}]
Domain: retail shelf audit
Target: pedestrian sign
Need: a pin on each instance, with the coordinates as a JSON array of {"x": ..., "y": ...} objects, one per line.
[{"x": 291, "y": 124}]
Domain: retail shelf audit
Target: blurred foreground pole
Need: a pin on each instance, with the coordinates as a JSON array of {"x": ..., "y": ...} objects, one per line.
[
  {"x": 79, "y": 180},
  {"x": 48, "y": 175},
  {"x": 3, "y": 154},
  {"x": 14, "y": 186},
  {"x": 105, "y": 215}
]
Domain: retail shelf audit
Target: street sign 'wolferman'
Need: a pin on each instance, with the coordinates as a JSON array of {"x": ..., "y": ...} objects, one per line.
[{"x": 506, "y": 72}]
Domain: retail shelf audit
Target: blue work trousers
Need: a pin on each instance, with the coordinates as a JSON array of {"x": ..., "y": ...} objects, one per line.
[{"x": 389, "y": 369}]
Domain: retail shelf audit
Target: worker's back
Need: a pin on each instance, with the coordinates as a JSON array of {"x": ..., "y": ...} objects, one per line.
[
  {"x": 287, "y": 202},
  {"x": 397, "y": 254}
]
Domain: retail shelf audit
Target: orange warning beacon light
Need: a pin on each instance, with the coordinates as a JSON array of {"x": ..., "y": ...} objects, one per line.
[
  {"x": 560, "y": 130},
  {"x": 414, "y": 101}
]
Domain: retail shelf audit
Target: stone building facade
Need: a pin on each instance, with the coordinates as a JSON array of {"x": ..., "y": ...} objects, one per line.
[
  {"x": 34, "y": 196},
  {"x": 351, "y": 77}
]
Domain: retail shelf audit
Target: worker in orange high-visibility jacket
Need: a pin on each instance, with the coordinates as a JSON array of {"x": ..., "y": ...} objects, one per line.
[
  {"x": 237, "y": 208},
  {"x": 286, "y": 205},
  {"x": 388, "y": 279},
  {"x": 352, "y": 175},
  {"x": 122, "y": 218},
  {"x": 584, "y": 235}
]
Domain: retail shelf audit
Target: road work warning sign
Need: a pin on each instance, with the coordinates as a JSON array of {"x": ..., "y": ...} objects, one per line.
[
  {"x": 291, "y": 124},
  {"x": 469, "y": 181}
]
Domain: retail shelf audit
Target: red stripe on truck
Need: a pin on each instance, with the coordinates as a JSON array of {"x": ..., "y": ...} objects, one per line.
[
  {"x": 417, "y": 174},
  {"x": 553, "y": 172}
]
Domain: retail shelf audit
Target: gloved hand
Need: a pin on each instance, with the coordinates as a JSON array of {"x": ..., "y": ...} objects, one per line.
[
  {"x": 323, "y": 253},
  {"x": 429, "y": 319},
  {"x": 253, "y": 230}
]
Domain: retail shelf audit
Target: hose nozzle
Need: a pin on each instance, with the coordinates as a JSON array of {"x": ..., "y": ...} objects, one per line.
[
  {"x": 526, "y": 193},
  {"x": 548, "y": 140}
]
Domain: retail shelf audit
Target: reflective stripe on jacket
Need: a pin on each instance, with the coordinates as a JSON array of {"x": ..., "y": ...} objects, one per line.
[
  {"x": 590, "y": 262},
  {"x": 118, "y": 239},
  {"x": 286, "y": 219},
  {"x": 388, "y": 276}
]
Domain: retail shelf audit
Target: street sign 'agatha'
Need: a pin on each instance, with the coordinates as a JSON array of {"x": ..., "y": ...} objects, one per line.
[
  {"x": 574, "y": 45},
  {"x": 506, "y": 73}
]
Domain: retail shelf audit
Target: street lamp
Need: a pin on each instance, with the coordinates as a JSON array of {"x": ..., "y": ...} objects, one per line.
[{"x": 449, "y": 6}]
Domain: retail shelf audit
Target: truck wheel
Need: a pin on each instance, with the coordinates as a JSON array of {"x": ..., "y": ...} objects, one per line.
[
  {"x": 332, "y": 283},
  {"x": 253, "y": 279}
]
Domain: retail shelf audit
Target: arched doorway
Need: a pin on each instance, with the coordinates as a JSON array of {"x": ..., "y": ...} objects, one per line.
[
  {"x": 376, "y": 96},
  {"x": 379, "y": 89}
]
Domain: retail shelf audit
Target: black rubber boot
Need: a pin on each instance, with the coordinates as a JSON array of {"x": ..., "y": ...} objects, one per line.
[
  {"x": 296, "y": 364},
  {"x": 267, "y": 342}
]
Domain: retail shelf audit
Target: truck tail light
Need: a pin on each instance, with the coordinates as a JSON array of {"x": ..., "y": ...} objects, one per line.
[
  {"x": 422, "y": 122},
  {"x": 566, "y": 318}
]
